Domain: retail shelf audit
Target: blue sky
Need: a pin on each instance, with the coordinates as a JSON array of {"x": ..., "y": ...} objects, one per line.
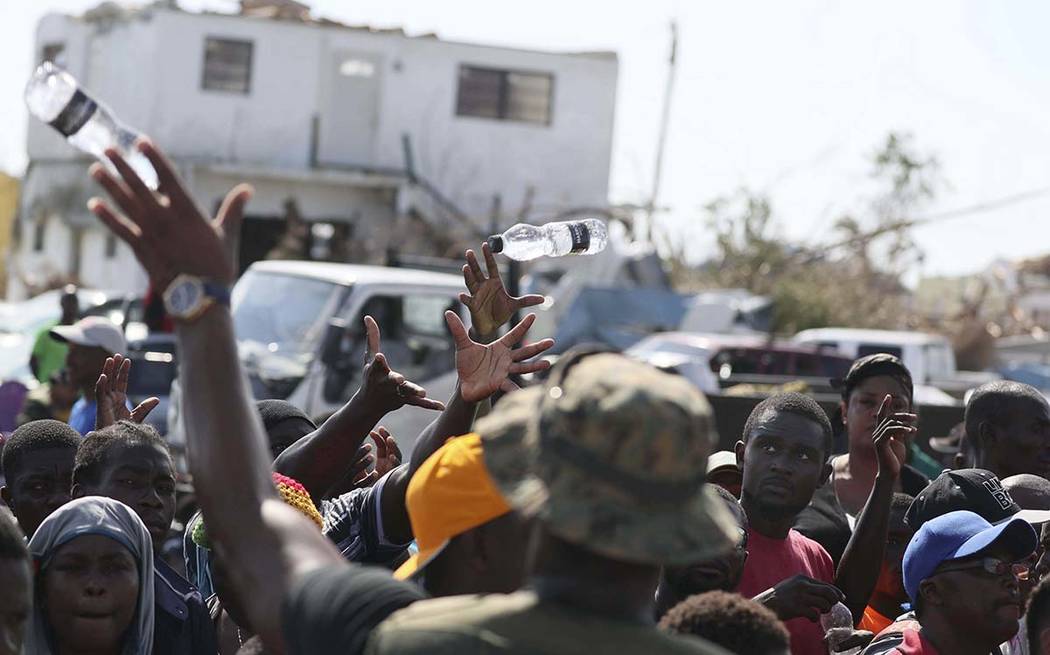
[{"x": 789, "y": 98}]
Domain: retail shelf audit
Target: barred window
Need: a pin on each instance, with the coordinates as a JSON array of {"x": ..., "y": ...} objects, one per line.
[
  {"x": 504, "y": 95},
  {"x": 227, "y": 65}
]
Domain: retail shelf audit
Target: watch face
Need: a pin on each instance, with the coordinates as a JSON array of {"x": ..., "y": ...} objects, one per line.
[{"x": 184, "y": 297}]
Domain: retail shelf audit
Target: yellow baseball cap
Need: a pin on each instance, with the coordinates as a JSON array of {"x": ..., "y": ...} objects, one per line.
[{"x": 450, "y": 494}]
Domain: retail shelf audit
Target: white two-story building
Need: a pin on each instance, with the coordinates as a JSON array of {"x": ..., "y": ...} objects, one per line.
[{"x": 361, "y": 132}]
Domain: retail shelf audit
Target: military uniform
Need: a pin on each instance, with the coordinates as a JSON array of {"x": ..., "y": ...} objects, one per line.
[{"x": 519, "y": 624}]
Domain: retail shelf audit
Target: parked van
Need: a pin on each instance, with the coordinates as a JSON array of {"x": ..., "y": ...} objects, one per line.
[
  {"x": 929, "y": 357},
  {"x": 301, "y": 337}
]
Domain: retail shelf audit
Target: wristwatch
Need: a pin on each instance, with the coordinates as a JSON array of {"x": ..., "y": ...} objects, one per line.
[{"x": 188, "y": 297}]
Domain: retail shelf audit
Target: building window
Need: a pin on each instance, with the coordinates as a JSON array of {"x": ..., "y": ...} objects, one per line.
[
  {"x": 53, "y": 52},
  {"x": 111, "y": 245},
  {"x": 504, "y": 95},
  {"x": 227, "y": 65}
]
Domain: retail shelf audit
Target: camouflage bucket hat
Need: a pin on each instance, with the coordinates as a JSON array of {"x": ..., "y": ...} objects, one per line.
[{"x": 611, "y": 454}]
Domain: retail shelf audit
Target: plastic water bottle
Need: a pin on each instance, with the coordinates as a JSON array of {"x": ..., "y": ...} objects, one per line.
[
  {"x": 523, "y": 242},
  {"x": 54, "y": 96},
  {"x": 838, "y": 627}
]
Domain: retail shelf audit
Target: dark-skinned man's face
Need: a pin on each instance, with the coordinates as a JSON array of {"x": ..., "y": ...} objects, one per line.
[
  {"x": 1040, "y": 559},
  {"x": 727, "y": 478},
  {"x": 718, "y": 574},
  {"x": 39, "y": 485},
  {"x": 286, "y": 433},
  {"x": 783, "y": 463},
  {"x": 509, "y": 535},
  {"x": 989, "y": 605},
  {"x": 142, "y": 476},
  {"x": 861, "y": 410},
  {"x": 84, "y": 364},
  {"x": 1020, "y": 441}
]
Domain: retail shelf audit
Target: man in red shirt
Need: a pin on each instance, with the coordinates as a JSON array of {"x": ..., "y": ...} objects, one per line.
[
  {"x": 961, "y": 573},
  {"x": 783, "y": 454}
]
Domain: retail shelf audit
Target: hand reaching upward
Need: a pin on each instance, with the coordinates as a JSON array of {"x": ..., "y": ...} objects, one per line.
[
  {"x": 385, "y": 389},
  {"x": 111, "y": 395},
  {"x": 485, "y": 369},
  {"x": 488, "y": 301},
  {"x": 890, "y": 437},
  {"x": 167, "y": 232}
]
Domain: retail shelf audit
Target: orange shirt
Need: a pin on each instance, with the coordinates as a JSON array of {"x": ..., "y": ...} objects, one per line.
[{"x": 874, "y": 621}]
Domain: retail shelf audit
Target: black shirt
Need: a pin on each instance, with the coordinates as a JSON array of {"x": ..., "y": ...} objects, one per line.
[
  {"x": 334, "y": 609},
  {"x": 824, "y": 521},
  {"x": 181, "y": 622}
]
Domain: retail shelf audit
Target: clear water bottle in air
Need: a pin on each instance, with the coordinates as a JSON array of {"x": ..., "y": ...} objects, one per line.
[
  {"x": 838, "y": 627},
  {"x": 523, "y": 242},
  {"x": 55, "y": 97}
]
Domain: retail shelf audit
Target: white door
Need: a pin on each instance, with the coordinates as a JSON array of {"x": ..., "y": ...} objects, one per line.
[{"x": 350, "y": 115}]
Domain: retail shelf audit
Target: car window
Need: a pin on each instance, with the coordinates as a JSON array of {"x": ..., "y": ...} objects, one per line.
[
  {"x": 834, "y": 367},
  {"x": 425, "y": 315},
  {"x": 737, "y": 361},
  {"x": 807, "y": 365},
  {"x": 775, "y": 362},
  {"x": 865, "y": 349},
  {"x": 415, "y": 339}
]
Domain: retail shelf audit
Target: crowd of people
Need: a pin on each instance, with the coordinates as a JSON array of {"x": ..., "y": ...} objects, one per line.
[{"x": 581, "y": 511}]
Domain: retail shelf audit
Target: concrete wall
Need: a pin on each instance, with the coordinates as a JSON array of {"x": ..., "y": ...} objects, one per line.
[{"x": 148, "y": 69}]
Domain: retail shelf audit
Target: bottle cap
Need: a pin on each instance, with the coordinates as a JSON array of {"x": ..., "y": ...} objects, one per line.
[{"x": 496, "y": 243}]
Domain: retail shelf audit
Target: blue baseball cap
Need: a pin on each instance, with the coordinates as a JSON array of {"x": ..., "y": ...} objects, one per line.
[{"x": 957, "y": 535}]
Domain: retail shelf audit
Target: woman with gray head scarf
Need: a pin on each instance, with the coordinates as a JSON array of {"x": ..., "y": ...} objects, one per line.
[{"x": 94, "y": 581}]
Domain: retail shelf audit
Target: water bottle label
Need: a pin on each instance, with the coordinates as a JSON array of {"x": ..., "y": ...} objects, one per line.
[
  {"x": 581, "y": 238},
  {"x": 75, "y": 115}
]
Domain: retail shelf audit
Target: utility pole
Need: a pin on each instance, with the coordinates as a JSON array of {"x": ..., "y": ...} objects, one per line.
[{"x": 662, "y": 138}]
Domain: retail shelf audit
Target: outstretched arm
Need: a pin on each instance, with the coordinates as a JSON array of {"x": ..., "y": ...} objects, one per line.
[
  {"x": 266, "y": 543},
  {"x": 320, "y": 460},
  {"x": 859, "y": 569},
  {"x": 483, "y": 370}
]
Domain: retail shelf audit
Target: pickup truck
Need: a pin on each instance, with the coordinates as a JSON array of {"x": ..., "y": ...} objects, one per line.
[
  {"x": 300, "y": 334},
  {"x": 929, "y": 357}
]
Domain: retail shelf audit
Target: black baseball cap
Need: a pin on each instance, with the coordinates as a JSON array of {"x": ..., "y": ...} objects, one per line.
[
  {"x": 872, "y": 366},
  {"x": 974, "y": 490}
]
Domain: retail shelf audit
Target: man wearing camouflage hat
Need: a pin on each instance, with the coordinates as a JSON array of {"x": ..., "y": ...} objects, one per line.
[{"x": 612, "y": 464}]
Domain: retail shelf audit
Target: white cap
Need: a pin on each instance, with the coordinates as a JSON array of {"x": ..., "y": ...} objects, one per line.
[
  {"x": 720, "y": 460},
  {"x": 92, "y": 331}
]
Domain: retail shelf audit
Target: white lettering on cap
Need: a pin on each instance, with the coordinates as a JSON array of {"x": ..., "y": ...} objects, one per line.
[{"x": 1001, "y": 495}]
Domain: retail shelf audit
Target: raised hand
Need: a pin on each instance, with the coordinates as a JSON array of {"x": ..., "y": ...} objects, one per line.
[
  {"x": 488, "y": 301},
  {"x": 386, "y": 390},
  {"x": 167, "y": 232},
  {"x": 111, "y": 395},
  {"x": 388, "y": 454},
  {"x": 387, "y": 458},
  {"x": 890, "y": 437},
  {"x": 485, "y": 369}
]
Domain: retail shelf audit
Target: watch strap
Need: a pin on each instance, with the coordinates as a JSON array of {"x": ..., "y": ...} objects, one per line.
[{"x": 220, "y": 293}]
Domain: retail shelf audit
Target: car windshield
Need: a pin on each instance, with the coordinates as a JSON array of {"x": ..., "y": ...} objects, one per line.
[{"x": 281, "y": 313}]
